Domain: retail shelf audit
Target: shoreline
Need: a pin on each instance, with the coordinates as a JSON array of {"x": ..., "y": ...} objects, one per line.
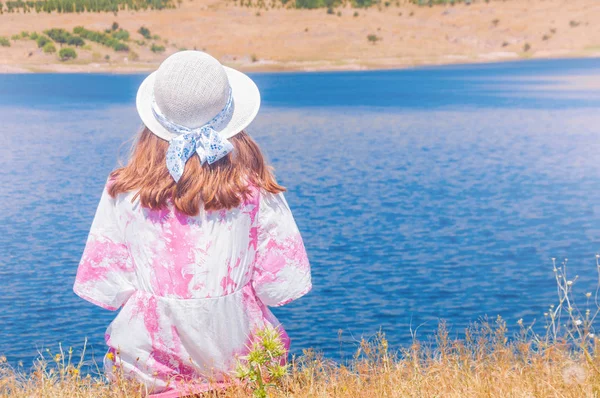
[{"x": 278, "y": 68}]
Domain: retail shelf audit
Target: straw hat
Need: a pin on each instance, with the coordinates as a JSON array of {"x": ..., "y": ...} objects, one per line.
[{"x": 190, "y": 90}]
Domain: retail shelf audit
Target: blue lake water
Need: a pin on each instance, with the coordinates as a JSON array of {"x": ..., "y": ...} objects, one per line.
[{"x": 422, "y": 194}]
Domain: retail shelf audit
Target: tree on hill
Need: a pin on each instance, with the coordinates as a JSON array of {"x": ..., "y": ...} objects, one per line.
[
  {"x": 67, "y": 53},
  {"x": 75, "y": 41},
  {"x": 60, "y": 36}
]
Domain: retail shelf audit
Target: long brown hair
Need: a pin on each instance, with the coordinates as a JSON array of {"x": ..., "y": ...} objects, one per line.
[{"x": 221, "y": 185}]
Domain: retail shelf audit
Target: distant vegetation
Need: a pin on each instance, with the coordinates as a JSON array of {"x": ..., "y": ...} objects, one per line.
[
  {"x": 331, "y": 4},
  {"x": 115, "y": 38},
  {"x": 42, "y": 41},
  {"x": 114, "y": 6},
  {"x": 67, "y": 53},
  {"x": 49, "y": 48},
  {"x": 107, "y": 38},
  {"x": 157, "y": 49},
  {"x": 61, "y": 37},
  {"x": 373, "y": 38},
  {"x": 144, "y": 31},
  {"x": 67, "y": 6}
]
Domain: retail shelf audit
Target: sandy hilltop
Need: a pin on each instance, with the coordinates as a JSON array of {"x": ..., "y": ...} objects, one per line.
[{"x": 255, "y": 39}]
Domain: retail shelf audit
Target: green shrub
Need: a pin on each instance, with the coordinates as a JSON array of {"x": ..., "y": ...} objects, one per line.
[
  {"x": 526, "y": 47},
  {"x": 33, "y": 36},
  {"x": 373, "y": 38},
  {"x": 157, "y": 49},
  {"x": 145, "y": 32},
  {"x": 4, "y": 42},
  {"x": 24, "y": 34},
  {"x": 67, "y": 53},
  {"x": 60, "y": 36},
  {"x": 114, "y": 26},
  {"x": 101, "y": 37},
  {"x": 75, "y": 41},
  {"x": 42, "y": 41},
  {"x": 363, "y": 3},
  {"x": 15, "y": 37},
  {"x": 49, "y": 48},
  {"x": 310, "y": 4},
  {"x": 121, "y": 34},
  {"x": 121, "y": 47}
]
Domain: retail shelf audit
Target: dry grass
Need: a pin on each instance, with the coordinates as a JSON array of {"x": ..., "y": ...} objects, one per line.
[
  {"x": 484, "y": 364},
  {"x": 564, "y": 361},
  {"x": 290, "y": 39}
]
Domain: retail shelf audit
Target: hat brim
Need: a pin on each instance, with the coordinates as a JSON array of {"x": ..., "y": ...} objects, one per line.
[{"x": 246, "y": 100}]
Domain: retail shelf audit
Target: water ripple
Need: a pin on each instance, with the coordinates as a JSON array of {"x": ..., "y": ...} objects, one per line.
[{"x": 447, "y": 203}]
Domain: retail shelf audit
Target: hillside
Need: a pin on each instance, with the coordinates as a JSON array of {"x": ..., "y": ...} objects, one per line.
[{"x": 250, "y": 38}]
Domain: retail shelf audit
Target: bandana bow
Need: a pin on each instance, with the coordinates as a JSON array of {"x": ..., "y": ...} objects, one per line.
[{"x": 203, "y": 140}]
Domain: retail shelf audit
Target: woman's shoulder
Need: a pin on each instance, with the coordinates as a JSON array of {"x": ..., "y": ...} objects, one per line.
[{"x": 119, "y": 198}]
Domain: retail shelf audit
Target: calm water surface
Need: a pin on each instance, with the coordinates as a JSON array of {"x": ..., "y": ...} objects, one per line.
[{"x": 437, "y": 193}]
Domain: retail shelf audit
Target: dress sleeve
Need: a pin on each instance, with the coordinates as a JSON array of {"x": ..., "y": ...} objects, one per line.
[
  {"x": 281, "y": 271},
  {"x": 105, "y": 276}
]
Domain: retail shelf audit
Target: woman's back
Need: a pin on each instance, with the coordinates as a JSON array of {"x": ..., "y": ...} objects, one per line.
[
  {"x": 194, "y": 288},
  {"x": 180, "y": 256}
]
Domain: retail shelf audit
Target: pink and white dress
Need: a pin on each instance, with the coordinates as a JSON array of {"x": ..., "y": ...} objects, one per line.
[{"x": 193, "y": 290}]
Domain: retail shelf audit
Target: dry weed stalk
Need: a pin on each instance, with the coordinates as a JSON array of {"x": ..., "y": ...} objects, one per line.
[{"x": 564, "y": 361}]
